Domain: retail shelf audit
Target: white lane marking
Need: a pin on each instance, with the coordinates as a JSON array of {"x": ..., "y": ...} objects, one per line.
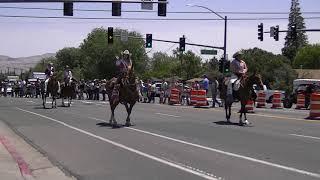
[
  {"x": 311, "y": 137},
  {"x": 226, "y": 153},
  {"x": 168, "y": 115},
  {"x": 192, "y": 168},
  {"x": 205, "y": 176},
  {"x": 87, "y": 102},
  {"x": 31, "y": 101}
]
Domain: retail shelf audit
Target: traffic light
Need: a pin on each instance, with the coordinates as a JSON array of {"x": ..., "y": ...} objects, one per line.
[
  {"x": 293, "y": 31},
  {"x": 221, "y": 66},
  {"x": 110, "y": 35},
  {"x": 162, "y": 8},
  {"x": 182, "y": 43},
  {"x": 68, "y": 9},
  {"x": 116, "y": 9},
  {"x": 227, "y": 67},
  {"x": 149, "y": 41},
  {"x": 260, "y": 31},
  {"x": 276, "y": 33}
]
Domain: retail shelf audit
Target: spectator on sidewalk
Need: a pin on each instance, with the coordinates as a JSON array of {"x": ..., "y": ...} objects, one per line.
[
  {"x": 205, "y": 83},
  {"x": 214, "y": 91}
]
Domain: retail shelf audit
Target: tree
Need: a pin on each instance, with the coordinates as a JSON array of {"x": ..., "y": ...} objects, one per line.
[
  {"x": 68, "y": 56},
  {"x": 98, "y": 56},
  {"x": 275, "y": 69},
  {"x": 292, "y": 45},
  {"x": 308, "y": 57},
  {"x": 190, "y": 65},
  {"x": 42, "y": 65}
]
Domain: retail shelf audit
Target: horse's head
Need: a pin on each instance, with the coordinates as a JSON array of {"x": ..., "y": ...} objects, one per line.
[
  {"x": 256, "y": 79},
  {"x": 132, "y": 76}
]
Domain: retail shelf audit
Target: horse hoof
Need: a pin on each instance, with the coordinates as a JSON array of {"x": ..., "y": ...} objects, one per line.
[{"x": 115, "y": 126}]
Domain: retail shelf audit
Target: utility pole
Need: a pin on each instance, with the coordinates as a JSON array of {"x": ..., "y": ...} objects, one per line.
[{"x": 8, "y": 72}]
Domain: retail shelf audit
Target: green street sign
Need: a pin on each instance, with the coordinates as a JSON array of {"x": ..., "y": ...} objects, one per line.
[{"x": 209, "y": 51}]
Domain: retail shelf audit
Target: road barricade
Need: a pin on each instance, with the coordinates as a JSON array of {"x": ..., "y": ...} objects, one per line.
[
  {"x": 314, "y": 106},
  {"x": 261, "y": 100},
  {"x": 276, "y": 100},
  {"x": 193, "y": 97},
  {"x": 301, "y": 101},
  {"x": 201, "y": 98},
  {"x": 249, "y": 106},
  {"x": 174, "y": 96}
]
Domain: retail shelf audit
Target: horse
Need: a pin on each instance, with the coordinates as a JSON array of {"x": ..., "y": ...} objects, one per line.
[
  {"x": 68, "y": 91},
  {"x": 245, "y": 94},
  {"x": 53, "y": 88},
  {"x": 128, "y": 96}
]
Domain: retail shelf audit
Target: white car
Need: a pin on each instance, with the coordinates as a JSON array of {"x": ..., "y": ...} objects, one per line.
[{"x": 269, "y": 93}]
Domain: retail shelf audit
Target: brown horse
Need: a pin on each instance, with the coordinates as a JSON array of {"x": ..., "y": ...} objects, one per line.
[
  {"x": 68, "y": 91},
  {"x": 128, "y": 95},
  {"x": 245, "y": 93},
  {"x": 53, "y": 88}
]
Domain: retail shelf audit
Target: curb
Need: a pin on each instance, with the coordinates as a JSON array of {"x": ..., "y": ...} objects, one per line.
[{"x": 22, "y": 164}]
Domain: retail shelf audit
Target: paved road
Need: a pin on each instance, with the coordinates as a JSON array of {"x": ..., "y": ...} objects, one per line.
[{"x": 169, "y": 142}]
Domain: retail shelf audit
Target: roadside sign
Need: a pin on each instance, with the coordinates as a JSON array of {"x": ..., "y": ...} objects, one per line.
[
  {"x": 124, "y": 36},
  {"x": 147, "y": 6},
  {"x": 209, "y": 51}
]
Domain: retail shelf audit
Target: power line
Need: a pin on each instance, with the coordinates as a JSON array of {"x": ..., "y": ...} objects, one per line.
[
  {"x": 150, "y": 19},
  {"x": 169, "y": 12}
]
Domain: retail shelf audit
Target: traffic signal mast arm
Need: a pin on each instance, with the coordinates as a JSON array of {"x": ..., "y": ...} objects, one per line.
[
  {"x": 175, "y": 42},
  {"x": 299, "y": 30}
]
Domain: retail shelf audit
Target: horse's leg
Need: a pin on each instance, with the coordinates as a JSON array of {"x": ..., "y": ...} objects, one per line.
[
  {"x": 226, "y": 109},
  {"x": 44, "y": 100},
  {"x": 129, "y": 110},
  {"x": 241, "y": 112},
  {"x": 230, "y": 111}
]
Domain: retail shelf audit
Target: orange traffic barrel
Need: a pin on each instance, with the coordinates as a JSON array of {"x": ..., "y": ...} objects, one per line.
[
  {"x": 193, "y": 97},
  {"x": 174, "y": 96},
  {"x": 261, "y": 100},
  {"x": 276, "y": 100},
  {"x": 249, "y": 106},
  {"x": 202, "y": 98},
  {"x": 314, "y": 106},
  {"x": 301, "y": 101}
]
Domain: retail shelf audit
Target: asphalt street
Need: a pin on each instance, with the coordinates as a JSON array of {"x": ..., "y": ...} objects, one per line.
[{"x": 169, "y": 142}]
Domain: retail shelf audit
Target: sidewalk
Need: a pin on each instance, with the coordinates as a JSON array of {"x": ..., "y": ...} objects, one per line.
[{"x": 20, "y": 161}]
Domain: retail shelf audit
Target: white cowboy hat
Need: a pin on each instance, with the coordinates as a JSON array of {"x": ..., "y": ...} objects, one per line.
[
  {"x": 237, "y": 54},
  {"x": 126, "y": 52}
]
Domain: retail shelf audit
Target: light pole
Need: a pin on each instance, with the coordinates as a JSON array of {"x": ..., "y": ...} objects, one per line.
[{"x": 225, "y": 28}]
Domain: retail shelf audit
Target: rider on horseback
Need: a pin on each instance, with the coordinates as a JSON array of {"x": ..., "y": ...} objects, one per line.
[
  {"x": 124, "y": 65},
  {"x": 239, "y": 69},
  {"x": 49, "y": 73},
  {"x": 67, "y": 76}
]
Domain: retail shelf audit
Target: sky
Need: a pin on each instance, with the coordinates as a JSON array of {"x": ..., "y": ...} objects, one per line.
[{"x": 21, "y": 37}]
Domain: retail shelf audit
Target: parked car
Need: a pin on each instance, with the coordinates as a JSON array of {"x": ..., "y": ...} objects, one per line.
[{"x": 269, "y": 93}]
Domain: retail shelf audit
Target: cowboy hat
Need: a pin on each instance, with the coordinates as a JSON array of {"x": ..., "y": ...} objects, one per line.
[
  {"x": 126, "y": 52},
  {"x": 237, "y": 54}
]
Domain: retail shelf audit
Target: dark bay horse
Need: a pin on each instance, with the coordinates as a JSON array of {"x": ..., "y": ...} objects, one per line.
[
  {"x": 53, "y": 88},
  {"x": 68, "y": 91},
  {"x": 128, "y": 96},
  {"x": 245, "y": 93}
]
